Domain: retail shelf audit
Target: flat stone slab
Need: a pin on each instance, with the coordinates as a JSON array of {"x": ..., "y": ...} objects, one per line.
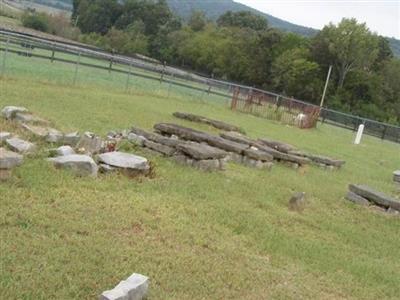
[
  {"x": 29, "y": 118},
  {"x": 9, "y": 159},
  {"x": 4, "y": 135},
  {"x": 37, "y": 131},
  {"x": 258, "y": 155},
  {"x": 163, "y": 149},
  {"x": 201, "y": 151},
  {"x": 80, "y": 165},
  {"x": 133, "y": 288},
  {"x": 237, "y": 137},
  {"x": 280, "y": 146},
  {"x": 9, "y": 112},
  {"x": 374, "y": 196},
  {"x": 125, "y": 161},
  {"x": 353, "y": 197},
  {"x": 21, "y": 146}
]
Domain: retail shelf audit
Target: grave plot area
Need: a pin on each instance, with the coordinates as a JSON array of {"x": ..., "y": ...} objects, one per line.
[{"x": 196, "y": 235}]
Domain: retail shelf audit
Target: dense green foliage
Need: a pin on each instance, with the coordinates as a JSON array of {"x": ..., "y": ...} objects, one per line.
[
  {"x": 37, "y": 21},
  {"x": 242, "y": 47}
]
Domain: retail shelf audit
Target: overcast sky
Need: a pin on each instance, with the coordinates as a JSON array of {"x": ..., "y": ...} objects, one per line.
[{"x": 381, "y": 16}]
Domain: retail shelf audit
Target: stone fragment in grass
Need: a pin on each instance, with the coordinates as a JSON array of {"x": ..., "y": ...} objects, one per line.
[
  {"x": 89, "y": 143},
  {"x": 353, "y": 197},
  {"x": 29, "y": 118},
  {"x": 71, "y": 139},
  {"x": 163, "y": 149},
  {"x": 132, "y": 164},
  {"x": 9, "y": 159},
  {"x": 54, "y": 136},
  {"x": 3, "y": 136},
  {"x": 37, "y": 131},
  {"x": 136, "y": 139},
  {"x": 21, "y": 146},
  {"x": 297, "y": 202},
  {"x": 65, "y": 150},
  {"x": 9, "y": 112},
  {"x": 374, "y": 196},
  {"x": 396, "y": 176},
  {"x": 133, "y": 288},
  {"x": 80, "y": 165}
]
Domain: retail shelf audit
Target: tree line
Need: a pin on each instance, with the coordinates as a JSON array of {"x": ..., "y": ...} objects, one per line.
[{"x": 242, "y": 47}]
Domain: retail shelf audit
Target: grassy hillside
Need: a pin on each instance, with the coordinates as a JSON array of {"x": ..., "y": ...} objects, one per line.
[{"x": 226, "y": 235}]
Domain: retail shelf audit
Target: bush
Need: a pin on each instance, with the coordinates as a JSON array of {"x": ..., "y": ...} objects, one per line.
[{"x": 37, "y": 21}]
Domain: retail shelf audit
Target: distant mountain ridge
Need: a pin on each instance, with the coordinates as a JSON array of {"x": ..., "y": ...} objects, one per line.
[{"x": 214, "y": 8}]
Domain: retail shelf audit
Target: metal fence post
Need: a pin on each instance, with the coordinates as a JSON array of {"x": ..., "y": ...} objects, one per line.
[
  {"x": 77, "y": 66},
  {"x": 128, "y": 77},
  {"x": 3, "y": 67}
]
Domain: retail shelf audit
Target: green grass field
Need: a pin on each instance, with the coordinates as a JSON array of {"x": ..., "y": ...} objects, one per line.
[{"x": 226, "y": 235}]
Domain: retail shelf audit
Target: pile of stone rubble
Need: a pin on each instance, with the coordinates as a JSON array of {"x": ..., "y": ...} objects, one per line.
[
  {"x": 84, "y": 155},
  {"x": 179, "y": 142},
  {"x": 364, "y": 195}
]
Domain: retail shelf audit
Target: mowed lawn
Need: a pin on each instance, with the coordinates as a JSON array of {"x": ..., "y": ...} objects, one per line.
[{"x": 225, "y": 235}]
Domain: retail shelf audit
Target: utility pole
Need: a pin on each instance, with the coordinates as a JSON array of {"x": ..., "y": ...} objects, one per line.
[{"x": 326, "y": 86}]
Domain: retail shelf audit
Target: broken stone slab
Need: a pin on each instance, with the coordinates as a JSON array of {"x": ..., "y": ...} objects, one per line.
[
  {"x": 80, "y": 165},
  {"x": 207, "y": 165},
  {"x": 9, "y": 159},
  {"x": 396, "y": 176},
  {"x": 136, "y": 139},
  {"x": 3, "y": 136},
  {"x": 200, "y": 119},
  {"x": 21, "y": 146},
  {"x": 375, "y": 196},
  {"x": 71, "y": 139},
  {"x": 90, "y": 143},
  {"x": 319, "y": 159},
  {"x": 54, "y": 136},
  {"x": 135, "y": 287},
  {"x": 283, "y": 156},
  {"x": 280, "y": 146},
  {"x": 160, "y": 148},
  {"x": 37, "y": 131},
  {"x": 9, "y": 112},
  {"x": 237, "y": 137},
  {"x": 258, "y": 155},
  {"x": 200, "y": 151},
  {"x": 65, "y": 150},
  {"x": 353, "y": 197},
  {"x": 106, "y": 169},
  {"x": 199, "y": 136},
  {"x": 131, "y": 163},
  {"x": 297, "y": 202},
  {"x": 29, "y": 118},
  {"x": 157, "y": 138}
]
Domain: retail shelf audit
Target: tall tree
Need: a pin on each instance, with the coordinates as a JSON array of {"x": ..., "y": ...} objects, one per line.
[
  {"x": 243, "y": 19},
  {"x": 348, "y": 46}
]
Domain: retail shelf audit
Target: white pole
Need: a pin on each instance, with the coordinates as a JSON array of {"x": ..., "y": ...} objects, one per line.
[
  {"x": 326, "y": 86},
  {"x": 359, "y": 134}
]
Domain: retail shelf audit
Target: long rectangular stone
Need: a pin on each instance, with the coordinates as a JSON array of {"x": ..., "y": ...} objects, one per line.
[
  {"x": 201, "y": 151},
  {"x": 377, "y": 197}
]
